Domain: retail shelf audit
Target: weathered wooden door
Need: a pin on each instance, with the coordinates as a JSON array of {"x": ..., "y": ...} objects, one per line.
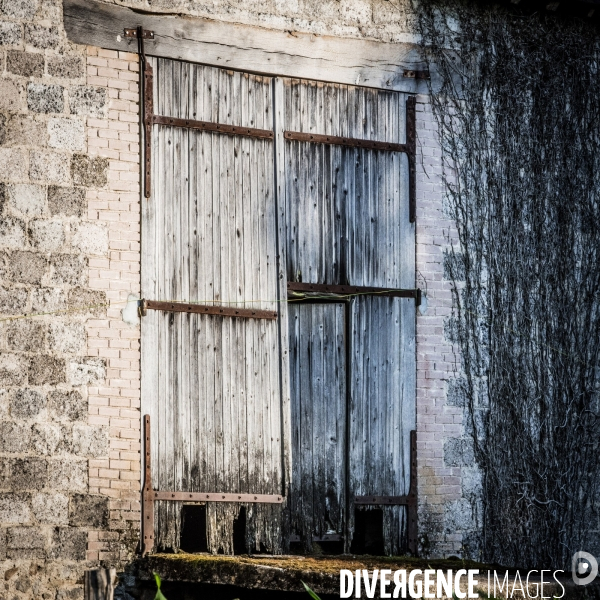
[
  {"x": 352, "y": 355},
  {"x": 211, "y": 384},
  {"x": 244, "y": 202}
]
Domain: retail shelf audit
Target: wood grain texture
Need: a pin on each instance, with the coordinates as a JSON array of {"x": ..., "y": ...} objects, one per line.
[
  {"x": 230, "y": 221},
  {"x": 212, "y": 384},
  {"x": 347, "y": 224},
  {"x": 99, "y": 584},
  {"x": 254, "y": 49},
  {"x": 347, "y": 208},
  {"x": 318, "y": 383}
]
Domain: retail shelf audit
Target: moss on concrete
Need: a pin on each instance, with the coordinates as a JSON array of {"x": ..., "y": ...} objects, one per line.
[{"x": 321, "y": 573}]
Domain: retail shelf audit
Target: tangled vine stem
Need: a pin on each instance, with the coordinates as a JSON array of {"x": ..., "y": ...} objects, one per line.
[{"x": 518, "y": 110}]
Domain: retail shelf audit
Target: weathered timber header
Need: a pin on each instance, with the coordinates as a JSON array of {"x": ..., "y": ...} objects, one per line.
[{"x": 246, "y": 48}]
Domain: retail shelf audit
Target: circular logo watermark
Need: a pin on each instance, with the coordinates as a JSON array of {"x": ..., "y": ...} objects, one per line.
[{"x": 584, "y": 568}]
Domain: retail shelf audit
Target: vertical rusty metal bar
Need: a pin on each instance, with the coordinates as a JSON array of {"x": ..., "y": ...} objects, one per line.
[
  {"x": 411, "y": 142},
  {"x": 413, "y": 542},
  {"x": 147, "y": 494},
  {"x": 146, "y": 95},
  {"x": 148, "y": 110}
]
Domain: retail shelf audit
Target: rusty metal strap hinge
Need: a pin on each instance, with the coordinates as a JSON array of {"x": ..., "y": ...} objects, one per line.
[
  {"x": 335, "y": 140},
  {"x": 352, "y": 290},
  {"x": 217, "y": 497},
  {"x": 213, "y": 127},
  {"x": 206, "y": 309},
  {"x": 146, "y": 100}
]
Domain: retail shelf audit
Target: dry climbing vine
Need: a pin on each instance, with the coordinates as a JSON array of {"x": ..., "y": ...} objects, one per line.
[{"x": 517, "y": 100}]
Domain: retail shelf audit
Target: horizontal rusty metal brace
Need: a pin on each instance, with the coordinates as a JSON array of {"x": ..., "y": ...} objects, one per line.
[
  {"x": 206, "y": 309},
  {"x": 335, "y": 140},
  {"x": 324, "y": 288},
  {"x": 213, "y": 127},
  {"x": 410, "y": 148},
  {"x": 217, "y": 497}
]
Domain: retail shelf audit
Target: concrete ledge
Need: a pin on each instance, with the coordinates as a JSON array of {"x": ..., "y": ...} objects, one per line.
[
  {"x": 281, "y": 573},
  {"x": 321, "y": 573}
]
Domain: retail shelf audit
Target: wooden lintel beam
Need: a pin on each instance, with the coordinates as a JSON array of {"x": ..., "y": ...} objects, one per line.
[{"x": 248, "y": 48}]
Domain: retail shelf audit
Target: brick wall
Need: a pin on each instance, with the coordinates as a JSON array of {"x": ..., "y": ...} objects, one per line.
[
  {"x": 448, "y": 481},
  {"x": 114, "y": 227}
]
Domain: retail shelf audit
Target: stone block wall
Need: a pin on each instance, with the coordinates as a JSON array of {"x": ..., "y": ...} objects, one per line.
[{"x": 69, "y": 253}]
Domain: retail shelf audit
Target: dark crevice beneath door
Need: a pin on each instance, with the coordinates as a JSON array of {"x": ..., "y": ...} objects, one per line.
[
  {"x": 193, "y": 528},
  {"x": 368, "y": 532}
]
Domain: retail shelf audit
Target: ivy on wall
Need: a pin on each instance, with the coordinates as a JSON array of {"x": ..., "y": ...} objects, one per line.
[{"x": 517, "y": 100}]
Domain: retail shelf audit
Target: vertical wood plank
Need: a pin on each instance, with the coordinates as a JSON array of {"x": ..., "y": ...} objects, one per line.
[
  {"x": 359, "y": 198},
  {"x": 279, "y": 108}
]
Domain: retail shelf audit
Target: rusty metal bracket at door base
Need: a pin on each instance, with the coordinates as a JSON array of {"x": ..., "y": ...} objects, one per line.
[
  {"x": 410, "y": 500},
  {"x": 150, "y": 496},
  {"x": 146, "y": 97}
]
